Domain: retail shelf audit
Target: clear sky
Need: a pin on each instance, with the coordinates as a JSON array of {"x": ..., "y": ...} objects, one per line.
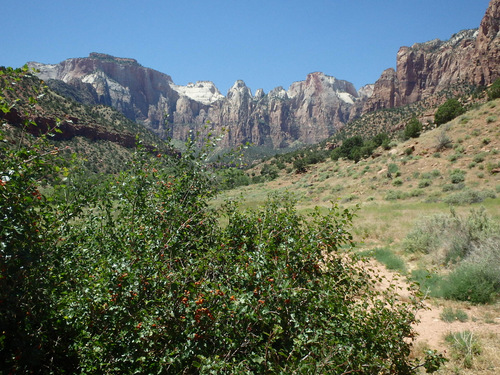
[{"x": 266, "y": 43}]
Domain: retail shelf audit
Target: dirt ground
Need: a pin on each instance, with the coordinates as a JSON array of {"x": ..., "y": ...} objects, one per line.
[{"x": 483, "y": 320}]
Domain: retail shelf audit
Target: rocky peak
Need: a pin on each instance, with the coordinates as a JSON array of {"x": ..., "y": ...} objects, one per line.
[
  {"x": 490, "y": 24},
  {"x": 106, "y": 57},
  {"x": 469, "y": 56},
  {"x": 366, "y": 91},
  {"x": 259, "y": 94},
  {"x": 278, "y": 92},
  {"x": 202, "y": 91},
  {"x": 320, "y": 84},
  {"x": 238, "y": 91}
]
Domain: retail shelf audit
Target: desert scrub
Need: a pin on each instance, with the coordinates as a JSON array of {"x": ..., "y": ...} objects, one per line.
[
  {"x": 479, "y": 158},
  {"x": 393, "y": 170},
  {"x": 397, "y": 182},
  {"x": 457, "y": 176},
  {"x": 393, "y": 195},
  {"x": 450, "y": 315},
  {"x": 468, "y": 196},
  {"x": 424, "y": 183},
  {"x": 453, "y": 187},
  {"x": 491, "y": 119},
  {"x": 472, "y": 282},
  {"x": 456, "y": 234},
  {"x": 443, "y": 141},
  {"x": 464, "y": 347}
]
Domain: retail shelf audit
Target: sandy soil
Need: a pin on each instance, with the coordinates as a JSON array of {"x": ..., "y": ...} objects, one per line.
[{"x": 432, "y": 329}]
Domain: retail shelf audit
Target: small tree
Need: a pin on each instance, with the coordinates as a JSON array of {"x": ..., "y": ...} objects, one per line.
[
  {"x": 413, "y": 129},
  {"x": 448, "y": 111},
  {"x": 494, "y": 90}
]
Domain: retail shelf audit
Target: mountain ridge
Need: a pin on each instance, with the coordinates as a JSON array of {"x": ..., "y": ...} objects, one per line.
[{"x": 308, "y": 112}]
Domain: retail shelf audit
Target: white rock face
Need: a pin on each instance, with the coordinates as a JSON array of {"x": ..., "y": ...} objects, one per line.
[
  {"x": 278, "y": 92},
  {"x": 346, "y": 97},
  {"x": 321, "y": 83},
  {"x": 46, "y": 71},
  {"x": 105, "y": 85},
  {"x": 259, "y": 94},
  {"x": 366, "y": 91},
  {"x": 202, "y": 91}
]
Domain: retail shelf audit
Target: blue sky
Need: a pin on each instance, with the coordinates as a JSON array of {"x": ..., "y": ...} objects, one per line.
[{"x": 266, "y": 43}]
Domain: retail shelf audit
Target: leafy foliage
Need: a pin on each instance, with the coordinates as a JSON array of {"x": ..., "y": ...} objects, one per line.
[
  {"x": 413, "y": 129},
  {"x": 494, "y": 90},
  {"x": 448, "y": 111}
]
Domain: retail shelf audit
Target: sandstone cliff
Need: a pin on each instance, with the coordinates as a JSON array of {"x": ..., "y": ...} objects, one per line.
[
  {"x": 308, "y": 112},
  {"x": 470, "y": 56}
]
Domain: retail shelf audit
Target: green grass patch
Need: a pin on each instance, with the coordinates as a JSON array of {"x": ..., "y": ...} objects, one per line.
[
  {"x": 387, "y": 257},
  {"x": 430, "y": 283},
  {"x": 450, "y": 315}
]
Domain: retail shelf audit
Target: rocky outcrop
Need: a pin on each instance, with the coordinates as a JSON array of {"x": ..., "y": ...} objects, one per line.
[
  {"x": 470, "y": 56},
  {"x": 69, "y": 129},
  {"x": 308, "y": 112},
  {"x": 143, "y": 95}
]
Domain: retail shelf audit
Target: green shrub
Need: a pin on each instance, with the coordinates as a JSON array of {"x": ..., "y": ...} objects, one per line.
[
  {"x": 457, "y": 235},
  {"x": 453, "y": 187},
  {"x": 230, "y": 178},
  {"x": 425, "y": 235},
  {"x": 448, "y": 111},
  {"x": 416, "y": 193},
  {"x": 393, "y": 168},
  {"x": 397, "y": 182},
  {"x": 300, "y": 165},
  {"x": 472, "y": 282},
  {"x": 412, "y": 129},
  {"x": 381, "y": 139},
  {"x": 479, "y": 158},
  {"x": 491, "y": 119},
  {"x": 494, "y": 90},
  {"x": 424, "y": 183},
  {"x": 393, "y": 195},
  {"x": 450, "y": 315},
  {"x": 443, "y": 141},
  {"x": 457, "y": 176},
  {"x": 468, "y": 196}
]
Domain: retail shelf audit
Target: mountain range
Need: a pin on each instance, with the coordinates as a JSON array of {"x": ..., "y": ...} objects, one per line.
[{"x": 307, "y": 112}]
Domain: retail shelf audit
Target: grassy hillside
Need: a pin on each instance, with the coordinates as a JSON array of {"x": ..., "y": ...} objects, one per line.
[
  {"x": 441, "y": 184},
  {"x": 99, "y": 135}
]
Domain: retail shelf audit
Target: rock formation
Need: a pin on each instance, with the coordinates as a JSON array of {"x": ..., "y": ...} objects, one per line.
[
  {"x": 308, "y": 112},
  {"x": 470, "y": 56}
]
